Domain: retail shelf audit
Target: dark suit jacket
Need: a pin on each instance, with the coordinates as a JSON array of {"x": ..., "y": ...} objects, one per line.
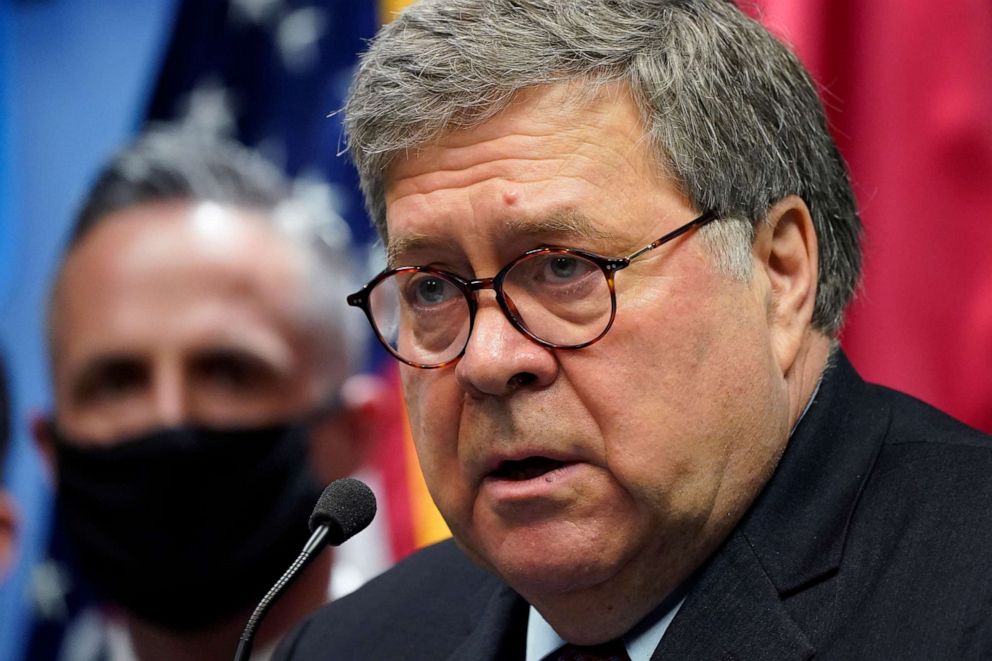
[{"x": 873, "y": 540}]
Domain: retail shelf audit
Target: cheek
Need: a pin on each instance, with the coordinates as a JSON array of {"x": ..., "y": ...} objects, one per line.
[
  {"x": 433, "y": 406},
  {"x": 647, "y": 370},
  {"x": 414, "y": 397},
  {"x": 681, "y": 393}
]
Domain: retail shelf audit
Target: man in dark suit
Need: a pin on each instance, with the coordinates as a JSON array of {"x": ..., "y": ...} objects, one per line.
[{"x": 621, "y": 241}]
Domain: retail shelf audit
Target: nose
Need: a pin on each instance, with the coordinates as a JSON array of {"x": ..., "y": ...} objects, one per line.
[
  {"x": 169, "y": 395},
  {"x": 499, "y": 359}
]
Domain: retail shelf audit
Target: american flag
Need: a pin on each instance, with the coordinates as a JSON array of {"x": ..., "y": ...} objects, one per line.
[{"x": 273, "y": 74}]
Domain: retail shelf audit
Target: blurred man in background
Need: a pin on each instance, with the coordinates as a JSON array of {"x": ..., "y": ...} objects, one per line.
[
  {"x": 8, "y": 518},
  {"x": 204, "y": 392}
]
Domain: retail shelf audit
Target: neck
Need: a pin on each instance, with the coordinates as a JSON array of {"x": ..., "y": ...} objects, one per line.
[
  {"x": 609, "y": 610},
  {"x": 806, "y": 371},
  {"x": 153, "y": 643}
]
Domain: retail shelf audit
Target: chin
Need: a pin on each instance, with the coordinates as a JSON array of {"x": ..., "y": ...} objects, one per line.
[
  {"x": 543, "y": 582},
  {"x": 536, "y": 565}
]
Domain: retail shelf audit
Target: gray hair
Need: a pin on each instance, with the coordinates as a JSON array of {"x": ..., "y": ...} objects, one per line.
[
  {"x": 732, "y": 114},
  {"x": 170, "y": 163}
]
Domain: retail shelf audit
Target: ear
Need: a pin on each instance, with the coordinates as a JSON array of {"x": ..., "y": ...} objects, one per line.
[
  {"x": 786, "y": 249},
  {"x": 8, "y": 532},
  {"x": 344, "y": 441}
]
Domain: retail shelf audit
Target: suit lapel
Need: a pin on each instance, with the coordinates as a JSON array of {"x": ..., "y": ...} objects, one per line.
[
  {"x": 733, "y": 612},
  {"x": 500, "y": 629},
  {"x": 791, "y": 540},
  {"x": 798, "y": 525}
]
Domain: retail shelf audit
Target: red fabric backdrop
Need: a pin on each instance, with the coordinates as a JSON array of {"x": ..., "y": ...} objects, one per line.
[{"x": 908, "y": 89}]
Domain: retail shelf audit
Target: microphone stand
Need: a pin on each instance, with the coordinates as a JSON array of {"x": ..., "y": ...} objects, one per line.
[
  {"x": 345, "y": 507},
  {"x": 309, "y": 552}
]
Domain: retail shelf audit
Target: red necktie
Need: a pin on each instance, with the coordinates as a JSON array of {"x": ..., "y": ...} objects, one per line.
[{"x": 612, "y": 650}]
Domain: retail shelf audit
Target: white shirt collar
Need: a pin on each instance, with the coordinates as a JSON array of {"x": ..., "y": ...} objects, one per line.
[{"x": 640, "y": 643}]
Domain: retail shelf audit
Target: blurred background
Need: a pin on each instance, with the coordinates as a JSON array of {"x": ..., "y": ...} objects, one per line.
[{"x": 907, "y": 84}]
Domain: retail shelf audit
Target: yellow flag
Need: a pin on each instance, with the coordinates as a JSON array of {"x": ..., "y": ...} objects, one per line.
[{"x": 389, "y": 8}]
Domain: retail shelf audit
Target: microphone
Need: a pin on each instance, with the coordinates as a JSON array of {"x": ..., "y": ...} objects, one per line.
[{"x": 344, "y": 509}]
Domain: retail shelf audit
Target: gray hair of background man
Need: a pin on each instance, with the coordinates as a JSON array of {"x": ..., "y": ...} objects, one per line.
[
  {"x": 168, "y": 163},
  {"x": 732, "y": 114}
]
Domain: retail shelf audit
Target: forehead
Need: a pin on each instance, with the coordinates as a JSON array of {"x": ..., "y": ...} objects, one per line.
[
  {"x": 557, "y": 161},
  {"x": 171, "y": 274}
]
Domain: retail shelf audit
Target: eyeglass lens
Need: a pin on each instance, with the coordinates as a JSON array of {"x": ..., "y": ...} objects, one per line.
[{"x": 561, "y": 298}]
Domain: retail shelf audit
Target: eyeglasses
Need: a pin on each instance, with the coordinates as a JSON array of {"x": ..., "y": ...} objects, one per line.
[{"x": 561, "y": 298}]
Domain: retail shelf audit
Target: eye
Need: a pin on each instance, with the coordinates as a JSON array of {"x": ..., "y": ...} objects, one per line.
[
  {"x": 430, "y": 290},
  {"x": 232, "y": 370},
  {"x": 555, "y": 274},
  {"x": 111, "y": 378},
  {"x": 563, "y": 269}
]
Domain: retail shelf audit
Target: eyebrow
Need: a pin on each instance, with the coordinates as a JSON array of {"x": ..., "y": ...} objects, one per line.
[
  {"x": 571, "y": 223},
  {"x": 405, "y": 243}
]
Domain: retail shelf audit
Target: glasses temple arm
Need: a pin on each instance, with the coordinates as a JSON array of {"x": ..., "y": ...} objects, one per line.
[{"x": 674, "y": 234}]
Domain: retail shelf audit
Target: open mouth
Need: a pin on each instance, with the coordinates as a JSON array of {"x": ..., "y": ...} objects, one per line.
[{"x": 525, "y": 469}]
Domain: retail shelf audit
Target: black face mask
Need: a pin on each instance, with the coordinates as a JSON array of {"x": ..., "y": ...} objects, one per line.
[{"x": 185, "y": 527}]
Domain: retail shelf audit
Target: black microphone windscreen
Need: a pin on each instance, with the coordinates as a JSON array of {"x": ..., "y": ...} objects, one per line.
[{"x": 347, "y": 506}]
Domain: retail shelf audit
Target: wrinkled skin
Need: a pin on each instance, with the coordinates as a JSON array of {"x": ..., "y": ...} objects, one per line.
[{"x": 666, "y": 429}]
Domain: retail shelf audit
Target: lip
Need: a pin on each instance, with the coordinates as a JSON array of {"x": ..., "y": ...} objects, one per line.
[
  {"x": 544, "y": 486},
  {"x": 492, "y": 463}
]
